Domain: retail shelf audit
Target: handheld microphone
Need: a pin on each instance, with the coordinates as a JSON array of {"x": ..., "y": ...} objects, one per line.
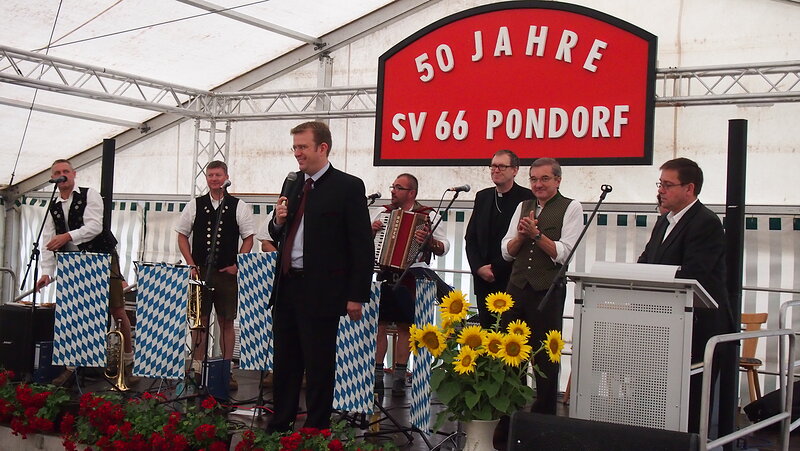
[
  {"x": 226, "y": 184},
  {"x": 606, "y": 188},
  {"x": 287, "y": 183},
  {"x": 374, "y": 196},
  {"x": 458, "y": 189},
  {"x": 63, "y": 178}
]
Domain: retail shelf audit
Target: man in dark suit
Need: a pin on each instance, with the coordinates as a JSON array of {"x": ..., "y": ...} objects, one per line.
[
  {"x": 690, "y": 236},
  {"x": 324, "y": 272},
  {"x": 487, "y": 226}
]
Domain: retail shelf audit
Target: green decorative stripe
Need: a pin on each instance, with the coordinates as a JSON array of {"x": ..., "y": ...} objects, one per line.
[
  {"x": 602, "y": 219},
  {"x": 751, "y": 223},
  {"x": 641, "y": 221},
  {"x": 774, "y": 223},
  {"x": 159, "y": 205},
  {"x": 622, "y": 220},
  {"x": 796, "y": 224},
  {"x": 459, "y": 216},
  {"x": 256, "y": 209},
  {"x": 182, "y": 206},
  {"x": 444, "y": 216}
]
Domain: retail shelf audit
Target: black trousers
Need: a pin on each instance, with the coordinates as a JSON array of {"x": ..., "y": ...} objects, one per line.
[
  {"x": 526, "y": 304},
  {"x": 303, "y": 343}
]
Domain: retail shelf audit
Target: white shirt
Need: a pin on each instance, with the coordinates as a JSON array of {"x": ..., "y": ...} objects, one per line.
[
  {"x": 92, "y": 226},
  {"x": 263, "y": 232},
  {"x": 673, "y": 218},
  {"x": 570, "y": 231},
  {"x": 439, "y": 235},
  {"x": 297, "y": 246},
  {"x": 244, "y": 218}
]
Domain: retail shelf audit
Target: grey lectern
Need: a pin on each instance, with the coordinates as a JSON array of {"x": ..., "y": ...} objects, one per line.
[{"x": 631, "y": 344}]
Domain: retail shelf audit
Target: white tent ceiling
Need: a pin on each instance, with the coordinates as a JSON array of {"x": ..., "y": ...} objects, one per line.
[{"x": 170, "y": 41}]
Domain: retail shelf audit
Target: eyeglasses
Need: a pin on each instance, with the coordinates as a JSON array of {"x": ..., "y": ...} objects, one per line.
[
  {"x": 667, "y": 185},
  {"x": 400, "y": 188},
  {"x": 300, "y": 148},
  {"x": 544, "y": 179},
  {"x": 498, "y": 167}
]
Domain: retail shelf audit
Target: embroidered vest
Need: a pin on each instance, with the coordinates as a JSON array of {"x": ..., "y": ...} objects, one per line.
[
  {"x": 227, "y": 235},
  {"x": 104, "y": 242},
  {"x": 533, "y": 265}
]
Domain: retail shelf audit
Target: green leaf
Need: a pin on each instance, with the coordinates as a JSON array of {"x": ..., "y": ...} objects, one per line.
[
  {"x": 500, "y": 403},
  {"x": 447, "y": 392},
  {"x": 471, "y": 398}
]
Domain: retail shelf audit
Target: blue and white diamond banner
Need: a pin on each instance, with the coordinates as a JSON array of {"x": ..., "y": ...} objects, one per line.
[
  {"x": 355, "y": 358},
  {"x": 161, "y": 321},
  {"x": 82, "y": 290},
  {"x": 421, "y": 376},
  {"x": 255, "y": 279}
]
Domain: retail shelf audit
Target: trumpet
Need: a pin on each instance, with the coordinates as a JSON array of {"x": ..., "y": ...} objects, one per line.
[
  {"x": 195, "y": 302},
  {"x": 114, "y": 359}
]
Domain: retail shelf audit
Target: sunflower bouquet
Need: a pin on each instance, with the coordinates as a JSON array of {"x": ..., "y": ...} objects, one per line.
[{"x": 478, "y": 373}]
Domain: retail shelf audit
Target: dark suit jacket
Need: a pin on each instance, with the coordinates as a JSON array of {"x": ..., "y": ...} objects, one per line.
[
  {"x": 479, "y": 242},
  {"x": 338, "y": 249},
  {"x": 697, "y": 245}
]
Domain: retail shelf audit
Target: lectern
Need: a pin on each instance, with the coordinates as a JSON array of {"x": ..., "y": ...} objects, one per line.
[{"x": 631, "y": 344}]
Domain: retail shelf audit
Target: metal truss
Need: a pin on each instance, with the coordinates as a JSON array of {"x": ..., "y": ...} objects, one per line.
[
  {"x": 36, "y": 70},
  {"x": 210, "y": 143},
  {"x": 310, "y": 103},
  {"x": 743, "y": 84}
]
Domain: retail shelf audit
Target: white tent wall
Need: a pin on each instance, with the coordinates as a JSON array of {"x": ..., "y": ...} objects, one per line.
[{"x": 745, "y": 32}]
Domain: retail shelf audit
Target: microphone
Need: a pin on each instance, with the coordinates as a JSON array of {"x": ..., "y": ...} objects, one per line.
[
  {"x": 606, "y": 188},
  {"x": 287, "y": 183},
  {"x": 63, "y": 178},
  {"x": 374, "y": 196},
  {"x": 458, "y": 189},
  {"x": 226, "y": 184}
]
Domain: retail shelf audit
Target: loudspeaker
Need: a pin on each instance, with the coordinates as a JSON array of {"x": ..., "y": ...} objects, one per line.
[
  {"x": 533, "y": 431},
  {"x": 16, "y": 325},
  {"x": 217, "y": 377}
]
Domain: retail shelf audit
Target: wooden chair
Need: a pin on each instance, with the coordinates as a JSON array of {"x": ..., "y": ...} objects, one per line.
[{"x": 748, "y": 360}]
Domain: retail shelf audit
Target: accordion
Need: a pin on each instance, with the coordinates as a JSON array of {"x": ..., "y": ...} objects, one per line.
[{"x": 395, "y": 246}]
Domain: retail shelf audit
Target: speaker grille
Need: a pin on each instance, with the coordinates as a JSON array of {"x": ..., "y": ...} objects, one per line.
[{"x": 630, "y": 364}]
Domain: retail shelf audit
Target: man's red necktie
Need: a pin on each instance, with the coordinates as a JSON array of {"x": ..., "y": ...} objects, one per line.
[{"x": 286, "y": 256}]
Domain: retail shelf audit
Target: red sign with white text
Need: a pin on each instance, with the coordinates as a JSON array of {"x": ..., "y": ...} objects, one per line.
[{"x": 544, "y": 79}]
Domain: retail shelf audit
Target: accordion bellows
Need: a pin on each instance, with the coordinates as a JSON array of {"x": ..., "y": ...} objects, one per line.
[{"x": 395, "y": 246}]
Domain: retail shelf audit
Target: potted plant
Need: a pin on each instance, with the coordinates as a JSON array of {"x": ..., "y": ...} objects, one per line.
[{"x": 480, "y": 374}]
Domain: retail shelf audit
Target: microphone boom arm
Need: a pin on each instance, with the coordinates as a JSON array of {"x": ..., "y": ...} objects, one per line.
[{"x": 560, "y": 279}]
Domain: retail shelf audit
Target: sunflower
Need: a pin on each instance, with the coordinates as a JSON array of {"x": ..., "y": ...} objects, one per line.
[
  {"x": 431, "y": 337},
  {"x": 554, "y": 344},
  {"x": 514, "y": 350},
  {"x": 454, "y": 306},
  {"x": 472, "y": 336},
  {"x": 520, "y": 328},
  {"x": 464, "y": 362},
  {"x": 499, "y": 302},
  {"x": 413, "y": 342},
  {"x": 447, "y": 327},
  {"x": 493, "y": 344}
]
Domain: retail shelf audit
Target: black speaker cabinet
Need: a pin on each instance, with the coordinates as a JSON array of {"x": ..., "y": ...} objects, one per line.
[
  {"x": 532, "y": 431},
  {"x": 16, "y": 325}
]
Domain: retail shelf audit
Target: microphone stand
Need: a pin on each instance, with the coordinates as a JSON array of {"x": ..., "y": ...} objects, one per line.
[
  {"x": 209, "y": 265},
  {"x": 559, "y": 280},
  {"x": 33, "y": 261}
]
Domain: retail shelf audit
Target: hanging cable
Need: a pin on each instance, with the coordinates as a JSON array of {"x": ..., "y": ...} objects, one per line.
[
  {"x": 167, "y": 22},
  {"x": 33, "y": 101}
]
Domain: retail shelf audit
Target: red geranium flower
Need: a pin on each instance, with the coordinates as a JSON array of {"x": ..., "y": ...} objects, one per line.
[{"x": 209, "y": 403}]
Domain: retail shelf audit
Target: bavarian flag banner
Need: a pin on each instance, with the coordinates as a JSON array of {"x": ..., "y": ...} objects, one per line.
[
  {"x": 161, "y": 321},
  {"x": 82, "y": 290}
]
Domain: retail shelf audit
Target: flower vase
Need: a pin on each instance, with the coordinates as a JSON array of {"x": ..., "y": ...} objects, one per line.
[{"x": 479, "y": 434}]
